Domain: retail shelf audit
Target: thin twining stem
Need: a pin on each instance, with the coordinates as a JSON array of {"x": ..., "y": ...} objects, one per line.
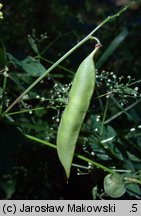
[
  {"x": 122, "y": 112},
  {"x": 109, "y": 18}
]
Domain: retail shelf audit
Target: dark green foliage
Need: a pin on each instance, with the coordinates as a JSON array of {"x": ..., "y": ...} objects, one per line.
[{"x": 33, "y": 35}]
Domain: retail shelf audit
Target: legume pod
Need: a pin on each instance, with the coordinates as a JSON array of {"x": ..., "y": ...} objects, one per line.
[{"x": 79, "y": 99}]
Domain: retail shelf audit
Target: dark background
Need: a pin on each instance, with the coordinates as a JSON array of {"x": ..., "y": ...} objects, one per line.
[{"x": 34, "y": 171}]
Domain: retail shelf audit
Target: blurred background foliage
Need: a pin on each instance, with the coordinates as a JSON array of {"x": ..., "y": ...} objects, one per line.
[{"x": 33, "y": 35}]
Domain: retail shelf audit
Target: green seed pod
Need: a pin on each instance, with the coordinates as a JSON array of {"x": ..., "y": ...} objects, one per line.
[
  {"x": 74, "y": 113},
  {"x": 114, "y": 185}
]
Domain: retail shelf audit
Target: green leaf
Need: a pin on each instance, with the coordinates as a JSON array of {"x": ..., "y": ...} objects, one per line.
[
  {"x": 8, "y": 186},
  {"x": 133, "y": 157},
  {"x": 1, "y": 91},
  {"x": 133, "y": 190},
  {"x": 32, "y": 66},
  {"x": 94, "y": 192},
  {"x": 114, "y": 185},
  {"x": 13, "y": 60},
  {"x": 127, "y": 90},
  {"x": 112, "y": 47},
  {"x": 33, "y": 45}
]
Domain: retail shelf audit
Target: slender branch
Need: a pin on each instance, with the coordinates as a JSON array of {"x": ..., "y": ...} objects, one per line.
[
  {"x": 98, "y": 165},
  {"x": 34, "y": 109},
  {"x": 109, "y": 18},
  {"x": 26, "y": 111},
  {"x": 104, "y": 116},
  {"x": 41, "y": 141},
  {"x": 59, "y": 66},
  {"x": 122, "y": 112},
  {"x": 4, "y": 89},
  {"x": 121, "y": 108}
]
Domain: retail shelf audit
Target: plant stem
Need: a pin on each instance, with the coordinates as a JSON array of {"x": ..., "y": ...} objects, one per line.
[
  {"x": 98, "y": 165},
  {"x": 25, "y": 111},
  {"x": 109, "y": 18},
  {"x": 4, "y": 89},
  {"x": 41, "y": 141},
  {"x": 121, "y": 108},
  {"x": 59, "y": 66},
  {"x": 122, "y": 112},
  {"x": 34, "y": 109},
  {"x": 132, "y": 180},
  {"x": 104, "y": 117}
]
